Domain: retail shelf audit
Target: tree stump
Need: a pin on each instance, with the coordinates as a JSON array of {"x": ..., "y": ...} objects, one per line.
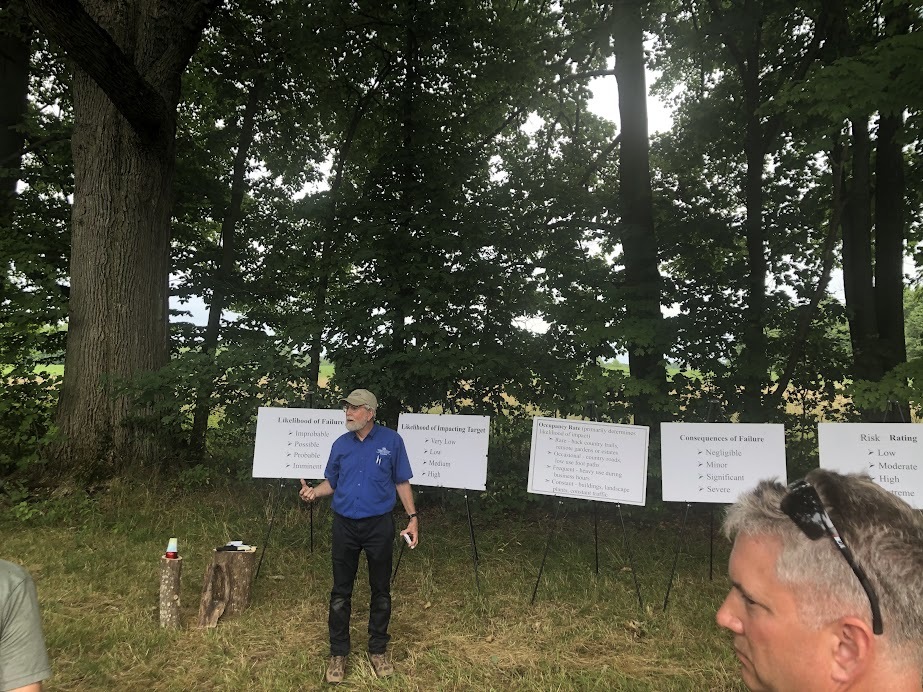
[
  {"x": 170, "y": 569},
  {"x": 226, "y": 588}
]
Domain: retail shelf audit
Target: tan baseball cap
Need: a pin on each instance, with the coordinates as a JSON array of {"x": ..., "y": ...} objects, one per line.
[{"x": 361, "y": 397}]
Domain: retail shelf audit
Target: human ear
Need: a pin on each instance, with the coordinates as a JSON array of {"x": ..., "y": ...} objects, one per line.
[{"x": 853, "y": 648}]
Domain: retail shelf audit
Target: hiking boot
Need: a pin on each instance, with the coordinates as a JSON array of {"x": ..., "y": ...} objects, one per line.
[
  {"x": 336, "y": 669},
  {"x": 382, "y": 665}
]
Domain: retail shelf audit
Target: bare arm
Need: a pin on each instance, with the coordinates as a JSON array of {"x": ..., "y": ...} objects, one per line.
[
  {"x": 309, "y": 494},
  {"x": 405, "y": 493}
]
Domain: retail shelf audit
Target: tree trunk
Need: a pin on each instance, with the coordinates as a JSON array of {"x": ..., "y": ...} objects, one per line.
[
  {"x": 745, "y": 46},
  {"x": 328, "y": 246},
  {"x": 128, "y": 61},
  {"x": 15, "y": 50},
  {"x": 857, "y": 259},
  {"x": 754, "y": 368},
  {"x": 400, "y": 290},
  {"x": 171, "y": 570},
  {"x": 889, "y": 241},
  {"x": 226, "y": 585},
  {"x": 890, "y": 222},
  {"x": 639, "y": 241},
  {"x": 810, "y": 310},
  {"x": 120, "y": 246},
  {"x": 224, "y": 273}
]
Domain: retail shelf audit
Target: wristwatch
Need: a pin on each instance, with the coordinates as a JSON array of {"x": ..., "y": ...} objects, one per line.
[{"x": 411, "y": 516}]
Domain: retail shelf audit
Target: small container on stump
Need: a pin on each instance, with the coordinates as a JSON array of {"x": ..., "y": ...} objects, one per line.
[{"x": 226, "y": 587}]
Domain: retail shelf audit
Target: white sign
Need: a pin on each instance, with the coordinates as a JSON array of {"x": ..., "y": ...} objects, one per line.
[
  {"x": 295, "y": 442},
  {"x": 446, "y": 451},
  {"x": 592, "y": 461},
  {"x": 716, "y": 462},
  {"x": 891, "y": 453}
]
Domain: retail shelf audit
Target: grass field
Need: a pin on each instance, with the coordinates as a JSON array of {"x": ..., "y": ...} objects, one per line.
[{"x": 96, "y": 565}]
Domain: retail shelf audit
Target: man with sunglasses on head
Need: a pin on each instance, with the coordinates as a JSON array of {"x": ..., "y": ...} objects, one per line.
[
  {"x": 826, "y": 586},
  {"x": 368, "y": 465}
]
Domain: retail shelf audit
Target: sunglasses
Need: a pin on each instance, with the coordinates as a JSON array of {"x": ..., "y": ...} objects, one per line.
[{"x": 803, "y": 506}]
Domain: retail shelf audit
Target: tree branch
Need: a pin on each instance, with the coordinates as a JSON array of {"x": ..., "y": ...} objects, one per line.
[
  {"x": 732, "y": 46},
  {"x": 600, "y": 159},
  {"x": 33, "y": 145},
  {"x": 193, "y": 18},
  {"x": 91, "y": 47},
  {"x": 807, "y": 316},
  {"x": 590, "y": 74}
]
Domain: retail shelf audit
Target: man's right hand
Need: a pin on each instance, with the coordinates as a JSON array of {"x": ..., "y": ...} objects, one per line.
[{"x": 307, "y": 492}]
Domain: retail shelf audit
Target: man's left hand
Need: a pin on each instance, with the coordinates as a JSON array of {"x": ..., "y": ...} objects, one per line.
[{"x": 413, "y": 531}]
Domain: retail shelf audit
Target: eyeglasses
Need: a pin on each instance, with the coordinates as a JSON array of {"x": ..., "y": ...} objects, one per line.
[
  {"x": 803, "y": 506},
  {"x": 351, "y": 407}
]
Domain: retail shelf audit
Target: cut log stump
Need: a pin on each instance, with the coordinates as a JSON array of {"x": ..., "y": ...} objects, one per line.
[
  {"x": 170, "y": 569},
  {"x": 226, "y": 587}
]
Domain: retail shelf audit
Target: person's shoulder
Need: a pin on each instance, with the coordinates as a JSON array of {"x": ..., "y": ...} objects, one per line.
[
  {"x": 386, "y": 433},
  {"x": 12, "y": 575},
  {"x": 344, "y": 437}
]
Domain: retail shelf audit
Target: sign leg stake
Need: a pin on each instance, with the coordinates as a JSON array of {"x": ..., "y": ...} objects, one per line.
[
  {"x": 273, "y": 499},
  {"x": 711, "y": 543},
  {"x": 631, "y": 559},
  {"x": 474, "y": 546},
  {"x": 311, "y": 511},
  {"x": 679, "y": 543},
  {"x": 596, "y": 534},
  {"x": 541, "y": 568}
]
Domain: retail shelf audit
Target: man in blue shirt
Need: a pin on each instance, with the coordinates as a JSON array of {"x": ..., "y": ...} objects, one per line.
[{"x": 367, "y": 465}]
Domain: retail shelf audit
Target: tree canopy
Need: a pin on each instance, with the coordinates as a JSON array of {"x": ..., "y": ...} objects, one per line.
[{"x": 420, "y": 194}]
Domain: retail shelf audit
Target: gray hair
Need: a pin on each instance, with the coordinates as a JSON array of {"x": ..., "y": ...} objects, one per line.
[{"x": 885, "y": 535}]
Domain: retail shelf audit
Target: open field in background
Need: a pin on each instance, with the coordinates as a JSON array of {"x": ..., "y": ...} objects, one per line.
[
  {"x": 57, "y": 370},
  {"x": 96, "y": 565}
]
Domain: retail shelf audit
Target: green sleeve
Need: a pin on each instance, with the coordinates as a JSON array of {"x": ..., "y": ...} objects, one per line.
[{"x": 23, "y": 659}]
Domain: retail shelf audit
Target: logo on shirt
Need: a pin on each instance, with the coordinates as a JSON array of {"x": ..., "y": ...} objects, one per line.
[{"x": 384, "y": 452}]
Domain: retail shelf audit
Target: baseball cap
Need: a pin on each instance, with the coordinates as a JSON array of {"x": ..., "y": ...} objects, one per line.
[{"x": 361, "y": 397}]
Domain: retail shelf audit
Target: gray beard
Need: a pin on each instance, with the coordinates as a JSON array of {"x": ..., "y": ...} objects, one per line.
[{"x": 354, "y": 426}]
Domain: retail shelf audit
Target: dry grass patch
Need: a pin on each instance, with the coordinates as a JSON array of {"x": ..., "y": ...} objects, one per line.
[{"x": 96, "y": 570}]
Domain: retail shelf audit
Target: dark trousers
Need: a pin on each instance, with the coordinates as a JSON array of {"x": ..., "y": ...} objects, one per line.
[{"x": 374, "y": 535}]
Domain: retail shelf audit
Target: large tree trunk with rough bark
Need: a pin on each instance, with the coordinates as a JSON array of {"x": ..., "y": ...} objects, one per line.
[
  {"x": 117, "y": 325},
  {"x": 128, "y": 59}
]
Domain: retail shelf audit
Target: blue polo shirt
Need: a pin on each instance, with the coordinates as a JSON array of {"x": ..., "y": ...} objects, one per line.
[{"x": 363, "y": 473}]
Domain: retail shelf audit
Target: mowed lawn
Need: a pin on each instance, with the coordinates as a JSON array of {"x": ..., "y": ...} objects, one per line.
[{"x": 96, "y": 564}]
